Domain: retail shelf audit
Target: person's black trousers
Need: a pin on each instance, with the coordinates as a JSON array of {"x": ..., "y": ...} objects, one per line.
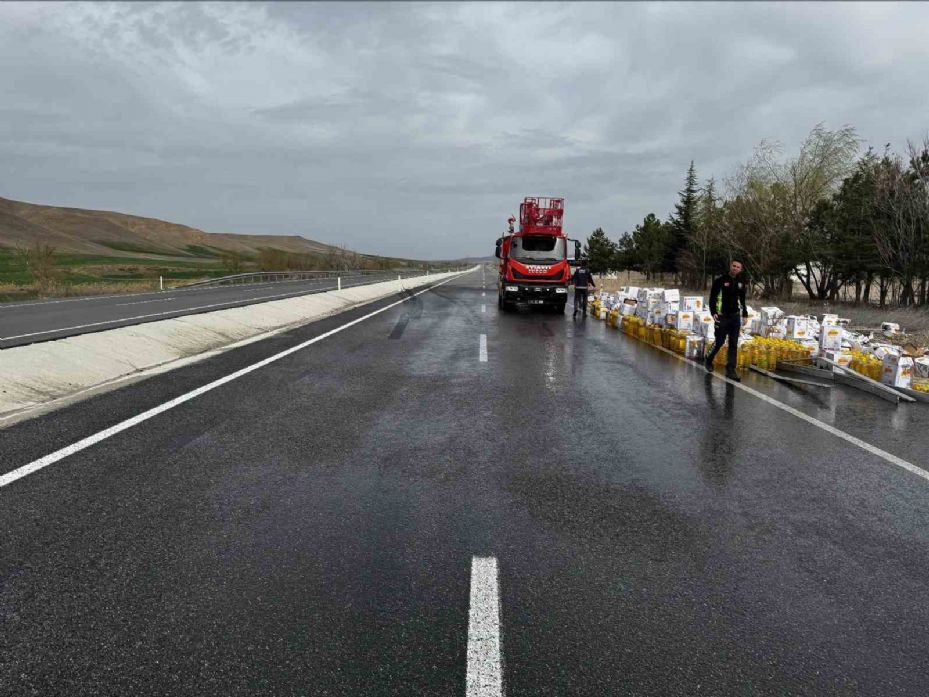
[
  {"x": 580, "y": 300},
  {"x": 727, "y": 329}
]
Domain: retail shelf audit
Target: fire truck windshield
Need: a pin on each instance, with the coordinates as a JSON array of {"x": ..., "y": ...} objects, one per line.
[{"x": 538, "y": 249}]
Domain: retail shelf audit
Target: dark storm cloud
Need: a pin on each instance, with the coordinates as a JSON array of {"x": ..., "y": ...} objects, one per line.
[{"x": 415, "y": 129}]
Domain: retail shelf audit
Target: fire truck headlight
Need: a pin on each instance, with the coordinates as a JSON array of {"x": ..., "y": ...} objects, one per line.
[
  {"x": 512, "y": 289},
  {"x": 561, "y": 290}
]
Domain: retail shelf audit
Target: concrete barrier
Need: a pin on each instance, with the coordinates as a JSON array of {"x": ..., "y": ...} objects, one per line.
[{"x": 42, "y": 376}]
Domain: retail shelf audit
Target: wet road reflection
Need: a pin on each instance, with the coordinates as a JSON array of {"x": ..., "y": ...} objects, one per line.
[{"x": 717, "y": 443}]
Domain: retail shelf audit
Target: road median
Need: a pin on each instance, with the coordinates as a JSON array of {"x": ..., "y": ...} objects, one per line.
[{"x": 41, "y": 376}]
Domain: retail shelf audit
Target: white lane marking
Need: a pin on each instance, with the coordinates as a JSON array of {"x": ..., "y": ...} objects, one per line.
[
  {"x": 483, "y": 294},
  {"x": 145, "y": 302},
  {"x": 864, "y": 445},
  {"x": 483, "y": 308},
  {"x": 484, "y": 677},
  {"x": 157, "y": 314},
  {"x": 61, "y": 454},
  {"x": 483, "y": 349}
]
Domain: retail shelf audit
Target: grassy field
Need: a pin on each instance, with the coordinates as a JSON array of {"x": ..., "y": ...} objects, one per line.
[
  {"x": 83, "y": 274},
  {"x": 79, "y": 274}
]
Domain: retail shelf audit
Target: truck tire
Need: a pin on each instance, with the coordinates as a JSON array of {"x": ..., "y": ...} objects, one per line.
[{"x": 559, "y": 308}]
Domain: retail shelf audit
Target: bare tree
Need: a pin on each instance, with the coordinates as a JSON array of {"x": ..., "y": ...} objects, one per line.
[
  {"x": 39, "y": 261},
  {"x": 232, "y": 262},
  {"x": 773, "y": 201}
]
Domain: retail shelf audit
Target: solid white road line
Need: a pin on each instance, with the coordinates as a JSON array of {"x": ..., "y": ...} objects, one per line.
[
  {"x": 483, "y": 349},
  {"x": 484, "y": 676},
  {"x": 61, "y": 454},
  {"x": 849, "y": 438}
]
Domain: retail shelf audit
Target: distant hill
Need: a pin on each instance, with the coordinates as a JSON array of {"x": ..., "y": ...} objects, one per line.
[{"x": 80, "y": 231}]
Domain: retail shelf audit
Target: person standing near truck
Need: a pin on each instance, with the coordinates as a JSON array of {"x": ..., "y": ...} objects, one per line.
[
  {"x": 727, "y": 303},
  {"x": 583, "y": 281}
]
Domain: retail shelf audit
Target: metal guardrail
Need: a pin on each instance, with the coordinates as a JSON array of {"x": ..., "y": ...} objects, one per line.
[{"x": 320, "y": 276}]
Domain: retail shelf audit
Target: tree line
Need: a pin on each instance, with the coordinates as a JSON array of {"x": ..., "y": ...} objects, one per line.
[{"x": 830, "y": 219}]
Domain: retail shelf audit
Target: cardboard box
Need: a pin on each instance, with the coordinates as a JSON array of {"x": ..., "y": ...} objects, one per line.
[
  {"x": 672, "y": 295},
  {"x": 830, "y": 319},
  {"x": 704, "y": 325},
  {"x": 796, "y": 327},
  {"x": 670, "y": 307},
  {"x": 830, "y": 338},
  {"x": 684, "y": 320},
  {"x": 897, "y": 371},
  {"x": 841, "y": 357},
  {"x": 921, "y": 368},
  {"x": 777, "y": 329},
  {"x": 772, "y": 322},
  {"x": 769, "y": 314},
  {"x": 692, "y": 303},
  {"x": 890, "y": 328}
]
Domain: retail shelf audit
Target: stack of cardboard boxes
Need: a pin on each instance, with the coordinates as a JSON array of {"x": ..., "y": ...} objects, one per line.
[{"x": 689, "y": 317}]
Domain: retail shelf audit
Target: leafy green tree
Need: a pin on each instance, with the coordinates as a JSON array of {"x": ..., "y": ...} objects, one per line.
[
  {"x": 600, "y": 252},
  {"x": 650, "y": 239},
  {"x": 626, "y": 255},
  {"x": 855, "y": 217}
]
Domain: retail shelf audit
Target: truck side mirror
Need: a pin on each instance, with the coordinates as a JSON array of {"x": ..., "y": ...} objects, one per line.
[{"x": 497, "y": 252}]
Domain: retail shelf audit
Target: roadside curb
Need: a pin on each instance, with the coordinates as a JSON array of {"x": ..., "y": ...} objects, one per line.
[{"x": 44, "y": 376}]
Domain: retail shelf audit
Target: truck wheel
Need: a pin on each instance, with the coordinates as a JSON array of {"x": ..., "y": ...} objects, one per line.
[{"x": 559, "y": 308}]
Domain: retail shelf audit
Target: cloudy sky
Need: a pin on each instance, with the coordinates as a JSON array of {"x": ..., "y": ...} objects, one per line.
[{"x": 415, "y": 129}]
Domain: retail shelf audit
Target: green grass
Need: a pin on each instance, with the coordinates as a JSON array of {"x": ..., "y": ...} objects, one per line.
[
  {"x": 199, "y": 250},
  {"x": 76, "y": 270},
  {"x": 129, "y": 247}
]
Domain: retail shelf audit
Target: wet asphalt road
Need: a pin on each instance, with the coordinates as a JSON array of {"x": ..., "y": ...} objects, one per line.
[
  {"x": 308, "y": 529},
  {"x": 47, "y": 320}
]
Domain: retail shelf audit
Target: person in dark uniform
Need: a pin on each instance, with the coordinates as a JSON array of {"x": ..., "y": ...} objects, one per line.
[
  {"x": 727, "y": 303},
  {"x": 583, "y": 281}
]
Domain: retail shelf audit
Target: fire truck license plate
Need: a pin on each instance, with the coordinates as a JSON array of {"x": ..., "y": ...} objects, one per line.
[{"x": 536, "y": 302}]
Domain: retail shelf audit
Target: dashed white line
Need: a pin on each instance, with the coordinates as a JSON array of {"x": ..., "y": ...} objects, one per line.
[
  {"x": 483, "y": 349},
  {"x": 84, "y": 443},
  {"x": 483, "y": 308},
  {"x": 484, "y": 675}
]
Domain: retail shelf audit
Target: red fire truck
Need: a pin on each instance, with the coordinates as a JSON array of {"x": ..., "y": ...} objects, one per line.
[{"x": 534, "y": 264}]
